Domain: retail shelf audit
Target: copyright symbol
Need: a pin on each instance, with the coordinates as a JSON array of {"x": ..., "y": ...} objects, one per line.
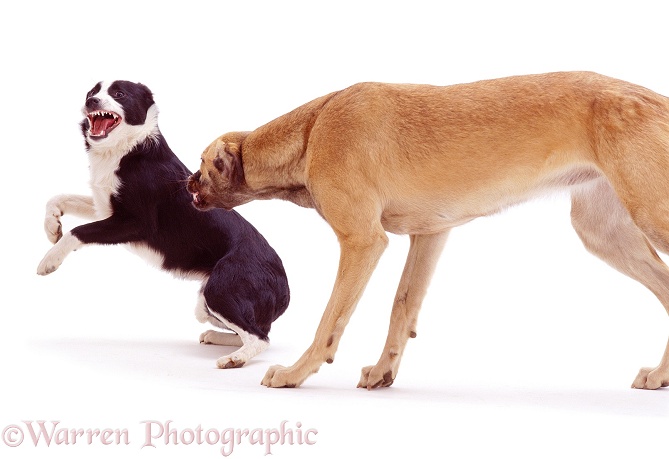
[{"x": 12, "y": 436}]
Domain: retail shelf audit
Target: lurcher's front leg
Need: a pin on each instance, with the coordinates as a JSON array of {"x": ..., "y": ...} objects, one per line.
[
  {"x": 359, "y": 256},
  {"x": 56, "y": 207},
  {"x": 421, "y": 262}
]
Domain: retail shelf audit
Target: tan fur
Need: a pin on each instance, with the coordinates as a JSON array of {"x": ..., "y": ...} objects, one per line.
[{"x": 420, "y": 160}]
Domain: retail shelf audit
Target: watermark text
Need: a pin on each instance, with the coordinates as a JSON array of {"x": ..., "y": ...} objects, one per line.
[{"x": 158, "y": 434}]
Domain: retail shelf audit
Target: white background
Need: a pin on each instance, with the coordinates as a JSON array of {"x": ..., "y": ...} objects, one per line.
[{"x": 526, "y": 346}]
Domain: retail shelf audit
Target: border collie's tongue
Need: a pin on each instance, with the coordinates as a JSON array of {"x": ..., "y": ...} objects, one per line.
[
  {"x": 100, "y": 126},
  {"x": 101, "y": 123}
]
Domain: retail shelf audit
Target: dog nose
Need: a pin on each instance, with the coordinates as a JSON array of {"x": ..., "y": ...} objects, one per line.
[
  {"x": 92, "y": 103},
  {"x": 193, "y": 180}
]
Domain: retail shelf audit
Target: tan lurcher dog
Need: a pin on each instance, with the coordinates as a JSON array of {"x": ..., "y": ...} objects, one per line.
[{"x": 420, "y": 160}]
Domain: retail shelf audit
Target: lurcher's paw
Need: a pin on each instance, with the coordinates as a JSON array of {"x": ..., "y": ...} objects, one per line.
[
  {"x": 373, "y": 376},
  {"x": 649, "y": 378},
  {"x": 280, "y": 376}
]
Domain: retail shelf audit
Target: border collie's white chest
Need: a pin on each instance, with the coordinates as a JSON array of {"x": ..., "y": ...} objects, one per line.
[
  {"x": 104, "y": 181},
  {"x": 105, "y": 156}
]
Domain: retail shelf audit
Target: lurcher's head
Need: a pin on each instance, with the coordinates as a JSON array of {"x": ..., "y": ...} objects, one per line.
[{"x": 220, "y": 180}]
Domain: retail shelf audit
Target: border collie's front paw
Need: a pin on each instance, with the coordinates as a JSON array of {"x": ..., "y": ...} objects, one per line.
[
  {"x": 49, "y": 264},
  {"x": 54, "y": 257},
  {"x": 45, "y": 269},
  {"x": 52, "y": 226}
]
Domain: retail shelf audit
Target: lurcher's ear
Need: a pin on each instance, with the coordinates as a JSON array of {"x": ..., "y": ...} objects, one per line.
[{"x": 228, "y": 161}]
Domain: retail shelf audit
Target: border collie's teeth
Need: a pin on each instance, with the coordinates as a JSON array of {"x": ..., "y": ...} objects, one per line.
[{"x": 103, "y": 113}]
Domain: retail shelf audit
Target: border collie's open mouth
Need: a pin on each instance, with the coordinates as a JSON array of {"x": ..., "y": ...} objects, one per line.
[{"x": 101, "y": 123}]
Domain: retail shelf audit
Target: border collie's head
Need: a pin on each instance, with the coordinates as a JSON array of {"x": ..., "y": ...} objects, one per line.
[{"x": 118, "y": 113}]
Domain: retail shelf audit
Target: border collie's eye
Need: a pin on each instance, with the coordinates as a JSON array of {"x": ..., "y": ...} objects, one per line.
[{"x": 119, "y": 95}]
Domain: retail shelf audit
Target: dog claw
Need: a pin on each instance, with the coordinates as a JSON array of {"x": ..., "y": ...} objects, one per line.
[
  {"x": 52, "y": 226},
  {"x": 278, "y": 376},
  {"x": 370, "y": 379},
  {"x": 232, "y": 364},
  {"x": 227, "y": 362}
]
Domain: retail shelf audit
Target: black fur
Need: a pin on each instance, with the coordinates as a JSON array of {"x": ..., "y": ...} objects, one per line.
[
  {"x": 246, "y": 283},
  {"x": 134, "y": 97}
]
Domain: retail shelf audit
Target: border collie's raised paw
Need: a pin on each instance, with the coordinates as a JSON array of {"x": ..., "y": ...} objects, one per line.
[
  {"x": 48, "y": 265},
  {"x": 81, "y": 206},
  {"x": 52, "y": 226},
  {"x": 55, "y": 256}
]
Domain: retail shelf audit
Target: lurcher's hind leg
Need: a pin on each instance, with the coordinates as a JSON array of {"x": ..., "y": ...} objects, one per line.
[
  {"x": 608, "y": 231},
  {"x": 420, "y": 265}
]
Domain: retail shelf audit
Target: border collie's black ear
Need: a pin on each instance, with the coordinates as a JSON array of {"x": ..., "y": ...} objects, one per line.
[{"x": 148, "y": 91}]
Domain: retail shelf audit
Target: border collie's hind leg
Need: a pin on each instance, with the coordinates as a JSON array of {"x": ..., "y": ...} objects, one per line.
[
  {"x": 608, "y": 231},
  {"x": 203, "y": 315},
  {"x": 218, "y": 306},
  {"x": 221, "y": 338},
  {"x": 251, "y": 346}
]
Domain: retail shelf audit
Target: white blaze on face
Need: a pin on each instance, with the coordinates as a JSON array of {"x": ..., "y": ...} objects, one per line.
[
  {"x": 108, "y": 132},
  {"x": 105, "y": 117}
]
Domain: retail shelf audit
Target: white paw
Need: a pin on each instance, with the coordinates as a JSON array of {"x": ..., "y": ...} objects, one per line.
[
  {"x": 49, "y": 263},
  {"x": 52, "y": 226},
  {"x": 54, "y": 257},
  {"x": 208, "y": 337},
  {"x": 230, "y": 361},
  {"x": 220, "y": 338}
]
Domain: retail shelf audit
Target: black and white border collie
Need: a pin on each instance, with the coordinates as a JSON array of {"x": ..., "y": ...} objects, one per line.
[{"x": 140, "y": 200}]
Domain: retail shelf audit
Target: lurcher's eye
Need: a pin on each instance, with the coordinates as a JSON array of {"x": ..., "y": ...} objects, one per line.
[{"x": 119, "y": 95}]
